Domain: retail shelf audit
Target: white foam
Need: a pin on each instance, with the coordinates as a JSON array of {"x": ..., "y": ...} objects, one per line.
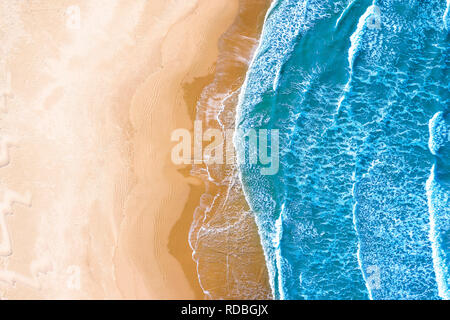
[
  {"x": 278, "y": 256},
  {"x": 438, "y": 132},
  {"x": 355, "y": 204},
  {"x": 355, "y": 40},
  {"x": 356, "y": 37},
  {"x": 349, "y": 5},
  {"x": 435, "y": 209}
]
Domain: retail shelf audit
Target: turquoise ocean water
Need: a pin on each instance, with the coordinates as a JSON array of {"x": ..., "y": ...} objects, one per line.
[{"x": 359, "y": 91}]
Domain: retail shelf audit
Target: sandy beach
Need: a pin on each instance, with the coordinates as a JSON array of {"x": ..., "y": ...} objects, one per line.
[{"x": 92, "y": 205}]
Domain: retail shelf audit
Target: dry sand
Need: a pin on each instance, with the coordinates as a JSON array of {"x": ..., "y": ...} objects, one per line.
[{"x": 86, "y": 129}]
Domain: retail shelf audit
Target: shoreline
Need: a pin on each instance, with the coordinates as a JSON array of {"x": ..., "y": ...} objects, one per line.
[
  {"x": 224, "y": 213},
  {"x": 270, "y": 8}
]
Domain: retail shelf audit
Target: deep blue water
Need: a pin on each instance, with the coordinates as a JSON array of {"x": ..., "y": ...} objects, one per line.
[{"x": 359, "y": 91}]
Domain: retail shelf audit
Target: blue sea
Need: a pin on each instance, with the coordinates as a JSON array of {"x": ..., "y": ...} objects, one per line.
[{"x": 359, "y": 91}]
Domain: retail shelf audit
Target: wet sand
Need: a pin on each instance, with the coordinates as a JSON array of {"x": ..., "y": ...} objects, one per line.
[{"x": 227, "y": 251}]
